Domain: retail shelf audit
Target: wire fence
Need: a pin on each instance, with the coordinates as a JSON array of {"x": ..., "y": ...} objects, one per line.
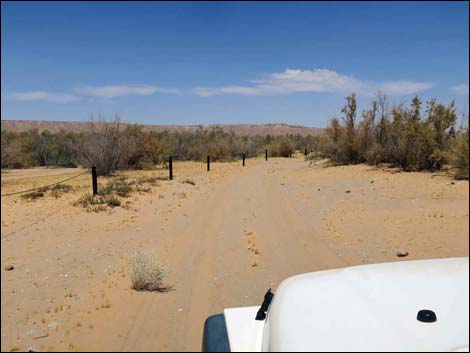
[
  {"x": 94, "y": 176},
  {"x": 45, "y": 186}
]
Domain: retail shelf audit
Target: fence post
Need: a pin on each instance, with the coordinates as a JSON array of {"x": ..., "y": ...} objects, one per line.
[
  {"x": 306, "y": 151},
  {"x": 208, "y": 163},
  {"x": 243, "y": 158},
  {"x": 94, "y": 180},
  {"x": 170, "y": 167},
  {"x": 266, "y": 154},
  {"x": 290, "y": 153}
]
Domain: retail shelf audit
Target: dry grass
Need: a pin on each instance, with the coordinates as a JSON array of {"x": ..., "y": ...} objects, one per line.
[
  {"x": 34, "y": 195},
  {"x": 55, "y": 191},
  {"x": 60, "y": 189},
  {"x": 120, "y": 187},
  {"x": 189, "y": 181},
  {"x": 97, "y": 203},
  {"x": 152, "y": 180},
  {"x": 147, "y": 273}
]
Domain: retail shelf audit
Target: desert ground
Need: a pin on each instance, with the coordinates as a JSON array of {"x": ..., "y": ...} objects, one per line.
[{"x": 224, "y": 240}]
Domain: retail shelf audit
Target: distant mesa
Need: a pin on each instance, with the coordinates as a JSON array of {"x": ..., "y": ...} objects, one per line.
[{"x": 240, "y": 129}]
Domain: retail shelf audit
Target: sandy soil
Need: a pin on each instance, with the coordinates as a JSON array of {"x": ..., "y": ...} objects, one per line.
[{"x": 225, "y": 240}]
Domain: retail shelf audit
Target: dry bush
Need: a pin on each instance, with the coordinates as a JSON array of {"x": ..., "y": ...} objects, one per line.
[
  {"x": 112, "y": 201},
  {"x": 104, "y": 144},
  {"x": 34, "y": 194},
  {"x": 400, "y": 136},
  {"x": 143, "y": 188},
  {"x": 312, "y": 157},
  {"x": 147, "y": 273},
  {"x": 152, "y": 180},
  {"x": 280, "y": 147},
  {"x": 60, "y": 189},
  {"x": 97, "y": 203},
  {"x": 119, "y": 188},
  {"x": 460, "y": 158}
]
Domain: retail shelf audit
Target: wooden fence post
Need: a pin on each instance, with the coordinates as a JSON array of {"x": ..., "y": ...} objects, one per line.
[
  {"x": 170, "y": 165},
  {"x": 306, "y": 151},
  {"x": 94, "y": 180},
  {"x": 208, "y": 163},
  {"x": 266, "y": 154},
  {"x": 243, "y": 158}
]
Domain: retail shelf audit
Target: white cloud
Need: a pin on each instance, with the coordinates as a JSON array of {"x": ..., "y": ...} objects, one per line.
[
  {"x": 460, "y": 89},
  {"x": 318, "y": 80},
  {"x": 44, "y": 96},
  {"x": 116, "y": 91},
  {"x": 396, "y": 88}
]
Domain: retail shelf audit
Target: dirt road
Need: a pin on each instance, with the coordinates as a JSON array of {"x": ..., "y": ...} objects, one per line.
[
  {"x": 212, "y": 266},
  {"x": 225, "y": 242}
]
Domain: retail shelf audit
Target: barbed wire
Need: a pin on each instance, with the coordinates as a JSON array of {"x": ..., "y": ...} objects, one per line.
[{"x": 45, "y": 186}]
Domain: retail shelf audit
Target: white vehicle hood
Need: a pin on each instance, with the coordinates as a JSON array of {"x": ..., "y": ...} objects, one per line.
[
  {"x": 362, "y": 308},
  {"x": 373, "y": 308}
]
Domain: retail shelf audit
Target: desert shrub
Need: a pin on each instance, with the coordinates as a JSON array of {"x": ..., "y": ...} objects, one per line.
[
  {"x": 34, "y": 194},
  {"x": 112, "y": 201},
  {"x": 349, "y": 144},
  {"x": 88, "y": 200},
  {"x": 374, "y": 154},
  {"x": 403, "y": 136},
  {"x": 147, "y": 274},
  {"x": 143, "y": 188},
  {"x": 313, "y": 157},
  {"x": 280, "y": 147},
  {"x": 121, "y": 189},
  {"x": 152, "y": 180},
  {"x": 460, "y": 155},
  {"x": 103, "y": 145},
  {"x": 98, "y": 202},
  {"x": 189, "y": 181},
  {"x": 60, "y": 189},
  {"x": 111, "y": 145}
]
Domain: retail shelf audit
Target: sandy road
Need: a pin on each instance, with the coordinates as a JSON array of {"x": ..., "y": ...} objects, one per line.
[
  {"x": 213, "y": 269},
  {"x": 225, "y": 241}
]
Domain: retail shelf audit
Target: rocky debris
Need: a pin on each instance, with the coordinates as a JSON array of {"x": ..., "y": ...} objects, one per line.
[
  {"x": 36, "y": 334},
  {"x": 53, "y": 324},
  {"x": 31, "y": 332},
  {"x": 347, "y": 191},
  {"x": 9, "y": 268},
  {"x": 402, "y": 253},
  {"x": 372, "y": 181}
]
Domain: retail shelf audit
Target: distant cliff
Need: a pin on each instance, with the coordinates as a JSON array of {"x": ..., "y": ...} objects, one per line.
[{"x": 239, "y": 129}]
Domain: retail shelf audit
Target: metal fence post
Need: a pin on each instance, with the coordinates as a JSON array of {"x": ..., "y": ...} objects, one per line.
[{"x": 94, "y": 180}]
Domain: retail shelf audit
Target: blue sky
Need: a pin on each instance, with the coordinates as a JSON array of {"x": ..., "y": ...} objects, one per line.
[{"x": 227, "y": 62}]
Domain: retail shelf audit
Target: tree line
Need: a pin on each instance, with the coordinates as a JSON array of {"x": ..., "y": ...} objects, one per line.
[
  {"x": 111, "y": 145},
  {"x": 413, "y": 137}
]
